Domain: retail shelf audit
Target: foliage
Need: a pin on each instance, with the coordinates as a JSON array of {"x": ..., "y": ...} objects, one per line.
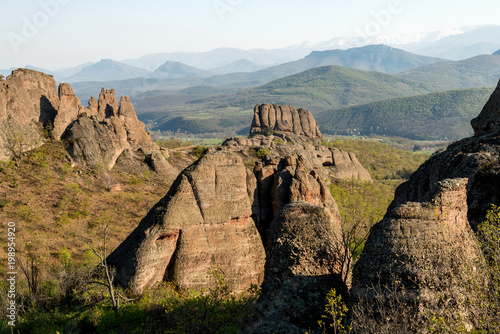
[
  {"x": 217, "y": 311},
  {"x": 489, "y": 239},
  {"x": 261, "y": 153},
  {"x": 200, "y": 151},
  {"x": 383, "y": 161},
  {"x": 335, "y": 314},
  {"x": 318, "y": 89},
  {"x": 435, "y": 116}
]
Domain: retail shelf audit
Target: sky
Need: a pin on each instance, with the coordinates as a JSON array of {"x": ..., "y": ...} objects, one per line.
[{"x": 54, "y": 34}]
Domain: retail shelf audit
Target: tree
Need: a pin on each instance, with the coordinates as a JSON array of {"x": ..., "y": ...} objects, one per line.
[
  {"x": 101, "y": 253},
  {"x": 18, "y": 138}
]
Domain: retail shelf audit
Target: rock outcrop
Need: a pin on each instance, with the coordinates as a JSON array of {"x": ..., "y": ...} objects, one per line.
[
  {"x": 302, "y": 266},
  {"x": 271, "y": 117},
  {"x": 28, "y": 99},
  {"x": 219, "y": 212},
  {"x": 118, "y": 138},
  {"x": 425, "y": 256},
  {"x": 330, "y": 163},
  {"x": 205, "y": 220},
  {"x": 101, "y": 134}
]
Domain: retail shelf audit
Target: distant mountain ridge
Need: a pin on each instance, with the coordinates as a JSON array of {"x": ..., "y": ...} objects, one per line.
[
  {"x": 107, "y": 70},
  {"x": 435, "y": 116},
  {"x": 175, "y": 69},
  {"x": 379, "y": 58},
  {"x": 483, "y": 40},
  {"x": 480, "y": 71}
]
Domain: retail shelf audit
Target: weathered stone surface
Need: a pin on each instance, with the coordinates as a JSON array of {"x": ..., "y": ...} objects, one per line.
[
  {"x": 96, "y": 143},
  {"x": 28, "y": 99},
  {"x": 119, "y": 138},
  {"x": 97, "y": 135},
  {"x": 69, "y": 109},
  {"x": 476, "y": 158},
  {"x": 423, "y": 254},
  {"x": 205, "y": 220},
  {"x": 330, "y": 163},
  {"x": 222, "y": 212},
  {"x": 302, "y": 266},
  {"x": 489, "y": 118},
  {"x": 281, "y": 180},
  {"x": 287, "y": 119},
  {"x": 107, "y": 104}
]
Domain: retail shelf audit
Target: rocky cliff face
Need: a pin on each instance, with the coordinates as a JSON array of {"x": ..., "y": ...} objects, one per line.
[
  {"x": 102, "y": 134},
  {"x": 423, "y": 255},
  {"x": 287, "y": 119}
]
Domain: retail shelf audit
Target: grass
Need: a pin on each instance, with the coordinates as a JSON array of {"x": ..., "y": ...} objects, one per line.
[{"x": 54, "y": 204}]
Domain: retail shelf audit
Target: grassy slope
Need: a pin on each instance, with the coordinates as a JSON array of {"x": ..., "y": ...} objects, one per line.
[
  {"x": 435, "y": 116},
  {"x": 480, "y": 71}
]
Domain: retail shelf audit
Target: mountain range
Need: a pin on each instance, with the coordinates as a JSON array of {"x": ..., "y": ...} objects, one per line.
[
  {"x": 175, "y": 75},
  {"x": 453, "y": 44}
]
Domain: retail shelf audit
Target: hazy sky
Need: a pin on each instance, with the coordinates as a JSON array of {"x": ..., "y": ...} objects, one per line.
[{"x": 62, "y": 33}]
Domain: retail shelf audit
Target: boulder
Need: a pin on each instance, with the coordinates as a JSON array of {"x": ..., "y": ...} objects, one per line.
[{"x": 410, "y": 262}]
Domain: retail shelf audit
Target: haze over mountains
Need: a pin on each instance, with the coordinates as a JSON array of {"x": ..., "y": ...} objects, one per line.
[{"x": 215, "y": 91}]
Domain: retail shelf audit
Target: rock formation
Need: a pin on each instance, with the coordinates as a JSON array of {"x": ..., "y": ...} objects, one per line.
[
  {"x": 205, "y": 220},
  {"x": 425, "y": 256},
  {"x": 330, "y": 163},
  {"x": 69, "y": 109},
  {"x": 118, "y": 138},
  {"x": 102, "y": 134},
  {"x": 287, "y": 119},
  {"x": 28, "y": 99},
  {"x": 302, "y": 266},
  {"x": 218, "y": 213}
]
